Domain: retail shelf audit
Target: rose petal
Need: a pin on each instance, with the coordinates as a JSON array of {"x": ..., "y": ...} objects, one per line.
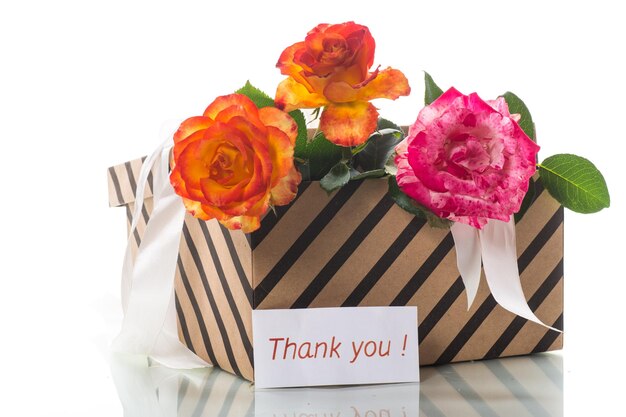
[
  {"x": 191, "y": 125},
  {"x": 182, "y": 143},
  {"x": 193, "y": 161},
  {"x": 390, "y": 83},
  {"x": 183, "y": 189},
  {"x": 195, "y": 209},
  {"x": 238, "y": 110},
  {"x": 286, "y": 62},
  {"x": 348, "y": 124},
  {"x": 287, "y": 188},
  {"x": 251, "y": 220},
  {"x": 291, "y": 95},
  {"x": 223, "y": 102},
  {"x": 271, "y": 116},
  {"x": 281, "y": 154},
  {"x": 258, "y": 144},
  {"x": 246, "y": 224}
]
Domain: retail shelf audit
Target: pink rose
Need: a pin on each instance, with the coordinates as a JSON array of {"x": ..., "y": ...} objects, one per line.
[{"x": 466, "y": 160}]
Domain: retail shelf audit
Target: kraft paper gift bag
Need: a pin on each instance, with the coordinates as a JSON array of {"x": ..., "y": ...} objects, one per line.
[{"x": 361, "y": 250}]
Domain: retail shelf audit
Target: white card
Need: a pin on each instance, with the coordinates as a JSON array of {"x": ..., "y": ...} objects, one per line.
[{"x": 335, "y": 346}]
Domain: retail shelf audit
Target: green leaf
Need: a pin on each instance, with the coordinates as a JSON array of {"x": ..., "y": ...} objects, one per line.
[
  {"x": 257, "y": 96},
  {"x": 404, "y": 201},
  {"x": 387, "y": 124},
  {"x": 527, "y": 201},
  {"x": 438, "y": 222},
  {"x": 390, "y": 166},
  {"x": 432, "y": 90},
  {"x": 376, "y": 173},
  {"x": 358, "y": 148},
  {"x": 380, "y": 146},
  {"x": 320, "y": 155},
  {"x": 575, "y": 182},
  {"x": 408, "y": 204},
  {"x": 336, "y": 178},
  {"x": 516, "y": 105}
]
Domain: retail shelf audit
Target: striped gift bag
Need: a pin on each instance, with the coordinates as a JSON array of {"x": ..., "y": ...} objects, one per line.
[{"x": 353, "y": 248}]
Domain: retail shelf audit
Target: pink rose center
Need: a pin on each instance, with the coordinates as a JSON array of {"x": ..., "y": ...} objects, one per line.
[{"x": 474, "y": 154}]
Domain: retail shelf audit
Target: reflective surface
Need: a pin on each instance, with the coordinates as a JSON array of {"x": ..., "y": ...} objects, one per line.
[{"x": 522, "y": 386}]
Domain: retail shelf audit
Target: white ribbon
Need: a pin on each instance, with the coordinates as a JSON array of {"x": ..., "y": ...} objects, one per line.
[
  {"x": 149, "y": 327},
  {"x": 495, "y": 244}
]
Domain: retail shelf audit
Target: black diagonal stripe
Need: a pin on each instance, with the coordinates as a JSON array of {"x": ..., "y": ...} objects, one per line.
[
  {"x": 453, "y": 293},
  {"x": 245, "y": 284},
  {"x": 183, "y": 324},
  {"x": 226, "y": 288},
  {"x": 384, "y": 262},
  {"x": 518, "y": 322},
  {"x": 150, "y": 181},
  {"x": 131, "y": 177},
  {"x": 205, "y": 283},
  {"x": 273, "y": 217},
  {"x": 548, "y": 339},
  {"x": 133, "y": 186},
  {"x": 304, "y": 240},
  {"x": 196, "y": 309},
  {"x": 144, "y": 213},
  {"x": 345, "y": 251},
  {"x": 424, "y": 271},
  {"x": 440, "y": 309},
  {"x": 129, "y": 215},
  {"x": 116, "y": 184},
  {"x": 490, "y": 303},
  {"x": 544, "y": 235},
  {"x": 538, "y": 188}
]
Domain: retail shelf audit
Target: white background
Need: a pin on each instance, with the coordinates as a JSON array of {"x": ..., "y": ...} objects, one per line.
[{"x": 86, "y": 84}]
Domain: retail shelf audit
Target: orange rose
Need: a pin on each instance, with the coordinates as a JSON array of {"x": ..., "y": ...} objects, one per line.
[
  {"x": 235, "y": 161},
  {"x": 331, "y": 68}
]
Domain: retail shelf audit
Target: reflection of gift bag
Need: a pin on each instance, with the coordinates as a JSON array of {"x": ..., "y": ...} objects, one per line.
[
  {"x": 353, "y": 248},
  {"x": 531, "y": 385}
]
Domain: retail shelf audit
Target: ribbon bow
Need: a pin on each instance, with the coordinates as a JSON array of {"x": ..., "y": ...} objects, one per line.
[{"x": 495, "y": 246}]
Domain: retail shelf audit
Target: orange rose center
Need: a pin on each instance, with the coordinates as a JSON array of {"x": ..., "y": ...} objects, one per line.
[
  {"x": 334, "y": 50},
  {"x": 228, "y": 166}
]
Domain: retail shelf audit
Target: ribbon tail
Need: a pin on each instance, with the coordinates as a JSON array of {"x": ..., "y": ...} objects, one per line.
[
  {"x": 467, "y": 245},
  {"x": 152, "y": 278},
  {"x": 499, "y": 254},
  {"x": 142, "y": 181},
  {"x": 149, "y": 327},
  {"x": 168, "y": 349}
]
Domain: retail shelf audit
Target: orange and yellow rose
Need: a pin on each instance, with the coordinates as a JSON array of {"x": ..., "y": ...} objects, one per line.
[
  {"x": 235, "y": 161},
  {"x": 330, "y": 69}
]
